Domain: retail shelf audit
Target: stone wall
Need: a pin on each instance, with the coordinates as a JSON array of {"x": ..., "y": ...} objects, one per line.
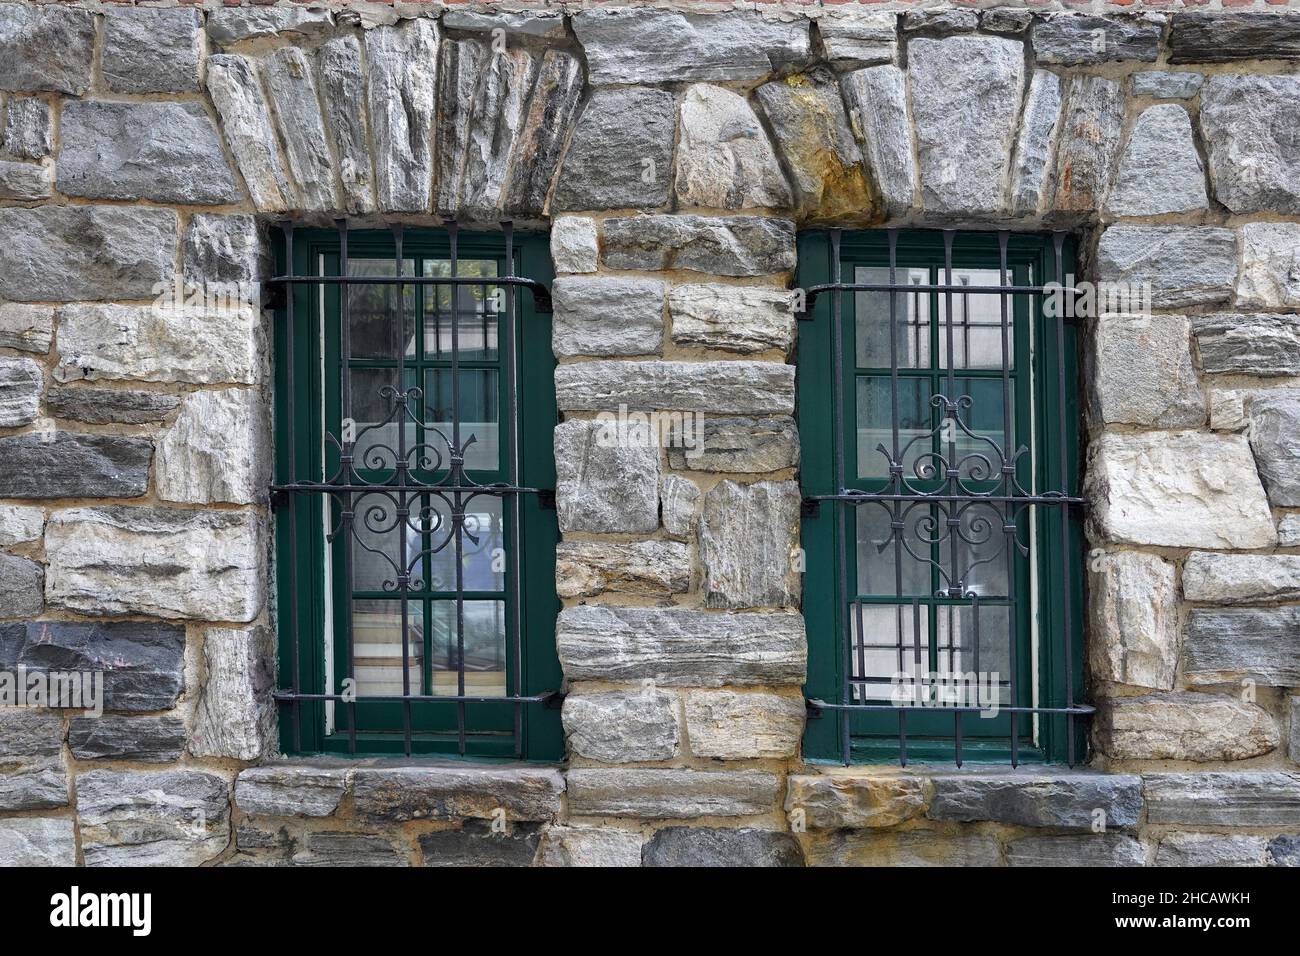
[{"x": 673, "y": 156}]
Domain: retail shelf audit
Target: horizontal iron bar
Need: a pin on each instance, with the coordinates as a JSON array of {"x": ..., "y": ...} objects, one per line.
[
  {"x": 541, "y": 294},
  {"x": 289, "y": 696},
  {"x": 1079, "y": 710},
  {"x": 812, "y": 292},
  {"x": 994, "y": 499},
  {"x": 327, "y": 488}
]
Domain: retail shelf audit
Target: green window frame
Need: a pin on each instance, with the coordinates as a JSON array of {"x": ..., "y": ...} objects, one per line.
[
  {"x": 485, "y": 568},
  {"x": 891, "y": 570}
]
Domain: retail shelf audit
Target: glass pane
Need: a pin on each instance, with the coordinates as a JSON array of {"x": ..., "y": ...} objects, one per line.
[
  {"x": 977, "y": 677},
  {"x": 479, "y": 415},
  {"x": 374, "y": 420},
  {"x": 377, "y": 631},
  {"x": 485, "y": 647},
  {"x": 477, "y": 308},
  {"x": 875, "y": 424},
  {"x": 977, "y": 322},
  {"x": 372, "y": 321},
  {"x": 377, "y": 554},
  {"x": 483, "y": 561},
  {"x": 911, "y": 319},
  {"x": 981, "y": 454},
  {"x": 885, "y": 641},
  {"x": 878, "y": 570}
]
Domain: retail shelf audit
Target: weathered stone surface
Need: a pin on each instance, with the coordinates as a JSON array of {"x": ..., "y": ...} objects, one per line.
[
  {"x": 740, "y": 445},
  {"x": 721, "y": 245},
  {"x": 35, "y": 841},
  {"x": 1270, "y": 266},
  {"x": 650, "y": 568},
  {"x": 940, "y": 22},
  {"x": 1092, "y": 118},
  {"x": 881, "y": 118},
  {"x": 607, "y": 477},
  {"x": 859, "y": 39},
  {"x": 1046, "y": 799},
  {"x": 622, "y": 726},
  {"x": 147, "y": 739},
  {"x": 1008, "y": 20},
  {"x": 202, "y": 565},
  {"x": 46, "y": 48},
  {"x": 607, "y": 316},
  {"x": 461, "y": 70},
  {"x": 654, "y": 794},
  {"x": 679, "y": 505},
  {"x": 718, "y": 846},
  {"x": 403, "y": 63},
  {"x": 477, "y": 843},
  {"x": 632, "y": 45},
  {"x": 21, "y": 385},
  {"x": 724, "y": 159},
  {"x": 142, "y": 661},
  {"x": 1227, "y": 646},
  {"x": 1093, "y": 849},
  {"x": 588, "y": 846},
  {"x": 1134, "y": 616},
  {"x": 1164, "y": 85},
  {"x": 1228, "y": 799},
  {"x": 20, "y": 524},
  {"x": 25, "y": 182},
  {"x": 69, "y": 465},
  {"x": 226, "y": 249},
  {"x": 1288, "y": 531},
  {"x": 155, "y": 818},
  {"x": 232, "y": 25},
  {"x": 1143, "y": 372},
  {"x": 1185, "y": 265},
  {"x": 1210, "y": 849},
  {"x": 1261, "y": 344},
  {"x": 1284, "y": 851},
  {"x": 965, "y": 120},
  {"x": 856, "y": 801},
  {"x": 437, "y": 792},
  {"x": 574, "y": 246},
  {"x": 246, "y": 121},
  {"x": 1293, "y": 729},
  {"x": 335, "y": 848},
  {"x": 1275, "y": 440},
  {"x": 1223, "y": 36},
  {"x": 551, "y": 111},
  {"x": 1178, "y": 490},
  {"x": 85, "y": 253},
  {"x": 723, "y": 388},
  {"x": 678, "y": 647},
  {"x": 1075, "y": 40},
  {"x": 102, "y": 406},
  {"x": 747, "y": 541},
  {"x": 808, "y": 119},
  {"x": 194, "y": 463},
  {"x": 729, "y": 725},
  {"x": 168, "y": 152},
  {"x": 1241, "y": 578},
  {"x": 33, "y": 773},
  {"x": 612, "y": 163},
  {"x": 29, "y": 128},
  {"x": 29, "y": 328},
  {"x": 497, "y": 121},
  {"x": 23, "y": 583},
  {"x": 1198, "y": 727},
  {"x": 903, "y": 848},
  {"x": 731, "y": 318},
  {"x": 148, "y": 344},
  {"x": 292, "y": 789},
  {"x": 1160, "y": 171},
  {"x": 296, "y": 106},
  {"x": 235, "y": 716},
  {"x": 548, "y": 24},
  {"x": 343, "y": 93},
  {"x": 152, "y": 50}
]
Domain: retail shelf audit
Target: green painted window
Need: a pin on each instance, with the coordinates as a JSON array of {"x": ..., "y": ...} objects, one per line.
[
  {"x": 941, "y": 572},
  {"x": 434, "y": 593}
]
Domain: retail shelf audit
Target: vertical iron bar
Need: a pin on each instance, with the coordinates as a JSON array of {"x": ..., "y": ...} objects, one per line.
[
  {"x": 345, "y": 452},
  {"x": 862, "y": 650},
  {"x": 403, "y": 484},
  {"x": 1058, "y": 243},
  {"x": 950, "y": 480},
  {"x": 837, "y": 359},
  {"x": 287, "y": 228},
  {"x": 511, "y": 420},
  {"x": 1008, "y": 489},
  {"x": 458, "y": 480}
]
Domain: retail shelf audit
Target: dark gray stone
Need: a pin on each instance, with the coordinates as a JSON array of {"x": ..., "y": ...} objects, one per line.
[
  {"x": 496, "y": 122},
  {"x": 28, "y": 129},
  {"x": 1092, "y": 118},
  {"x": 74, "y": 466},
  {"x": 46, "y": 48},
  {"x": 940, "y": 22},
  {"x": 459, "y": 75},
  {"x": 331, "y": 848},
  {"x": 445, "y": 792},
  {"x": 292, "y": 789},
  {"x": 151, "y": 51},
  {"x": 22, "y": 582},
  {"x": 343, "y": 91},
  {"x": 740, "y": 445},
  {"x": 1075, "y": 40},
  {"x": 556, "y": 97},
  {"x": 717, "y": 846},
  {"x": 1039, "y": 800},
  {"x": 403, "y": 61},
  {"x": 1224, "y": 646},
  {"x": 1262, "y": 344},
  {"x": 152, "y": 818},
  {"x": 21, "y": 383},
  {"x": 1226, "y": 799},
  {"x": 620, "y": 154},
  {"x": 1275, "y": 440},
  {"x": 85, "y": 253},
  {"x": 475, "y": 844},
  {"x": 1284, "y": 851},
  {"x": 1222, "y": 37},
  {"x": 147, "y": 739},
  {"x": 1165, "y": 85},
  {"x": 33, "y": 772},
  {"x": 143, "y": 662},
  {"x": 291, "y": 89},
  {"x": 1093, "y": 849},
  {"x": 232, "y": 25},
  {"x": 1008, "y": 20},
  {"x": 722, "y": 245},
  {"x": 1186, "y": 265},
  {"x": 103, "y": 406}
]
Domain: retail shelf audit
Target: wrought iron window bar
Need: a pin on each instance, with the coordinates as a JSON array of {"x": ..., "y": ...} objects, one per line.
[
  {"x": 399, "y": 506},
  {"x": 995, "y": 466}
]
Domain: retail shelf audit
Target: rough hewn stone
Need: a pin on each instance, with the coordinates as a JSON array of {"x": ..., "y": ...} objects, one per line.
[
  {"x": 740, "y": 446},
  {"x": 1284, "y": 851},
  {"x": 103, "y": 406},
  {"x": 1143, "y": 372},
  {"x": 1275, "y": 440},
  {"x": 1227, "y": 799},
  {"x": 607, "y": 477},
  {"x": 551, "y": 111},
  {"x": 22, "y": 582},
  {"x": 498, "y": 120},
  {"x": 1160, "y": 171},
  {"x": 588, "y": 846},
  {"x": 1165, "y": 85},
  {"x": 146, "y": 739},
  {"x": 462, "y": 69},
  {"x": 574, "y": 247},
  {"x": 715, "y": 245},
  {"x": 881, "y": 119},
  {"x": 1270, "y": 266},
  {"x": 21, "y": 384},
  {"x": 29, "y": 328},
  {"x": 966, "y": 101},
  {"x": 36, "y": 841},
  {"x": 717, "y": 846},
  {"x": 156, "y": 818},
  {"x": 203, "y": 565},
  {"x": 478, "y": 843},
  {"x": 227, "y": 249},
  {"x": 859, "y": 39},
  {"x": 678, "y": 647},
  {"x": 1227, "y": 646},
  {"x": 1264, "y": 345},
  {"x": 632, "y": 45},
  {"x": 28, "y": 129},
  {"x": 1135, "y": 605},
  {"x": 152, "y": 50},
  {"x": 235, "y": 716},
  {"x": 25, "y": 182},
  {"x": 1093, "y": 849},
  {"x": 1288, "y": 531},
  {"x": 1045, "y": 799},
  {"x": 334, "y": 848},
  {"x": 1092, "y": 118},
  {"x": 1241, "y": 578},
  {"x": 1222, "y": 36},
  {"x": 1034, "y": 144},
  {"x": 548, "y": 24},
  {"x": 440, "y": 792},
  {"x": 46, "y": 48},
  {"x": 613, "y": 163},
  {"x": 85, "y": 253},
  {"x": 650, "y": 568},
  {"x": 33, "y": 772},
  {"x": 608, "y": 316},
  {"x": 1077, "y": 40},
  {"x": 142, "y": 661},
  {"x": 963, "y": 849},
  {"x": 1185, "y": 265},
  {"x": 679, "y": 505},
  {"x": 655, "y": 794},
  {"x": 246, "y": 121},
  {"x": 343, "y": 94},
  {"x": 1008, "y": 20},
  {"x": 1178, "y": 489},
  {"x": 403, "y": 63},
  {"x": 233, "y": 25},
  {"x": 724, "y": 159},
  {"x": 731, "y": 318},
  {"x": 194, "y": 463},
  {"x": 292, "y": 789},
  {"x": 729, "y": 725},
  {"x": 747, "y": 540},
  {"x": 1202, "y": 728},
  {"x": 723, "y": 388},
  {"x": 20, "y": 524},
  {"x": 1210, "y": 849},
  {"x": 622, "y": 726},
  {"x": 296, "y": 105},
  {"x": 71, "y": 465},
  {"x": 855, "y": 801},
  {"x": 940, "y": 22}
]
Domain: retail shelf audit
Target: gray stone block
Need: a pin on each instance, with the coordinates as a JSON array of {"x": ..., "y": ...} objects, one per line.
[
  {"x": 1070, "y": 800},
  {"x": 1093, "y": 849},
  {"x": 721, "y": 245},
  {"x": 46, "y": 48},
  {"x": 717, "y": 846},
  {"x": 153, "y": 818},
  {"x": 476, "y": 843},
  {"x": 653, "y": 794},
  {"x": 152, "y": 50},
  {"x": 71, "y": 465},
  {"x": 723, "y": 388},
  {"x": 292, "y": 789},
  {"x": 620, "y": 155},
  {"x": 146, "y": 739},
  {"x": 1264, "y": 345},
  {"x": 622, "y": 726},
  {"x": 1223, "y": 36},
  {"x": 1227, "y": 799},
  {"x": 1076, "y": 40},
  {"x": 438, "y": 792},
  {"x": 1226, "y": 646}
]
